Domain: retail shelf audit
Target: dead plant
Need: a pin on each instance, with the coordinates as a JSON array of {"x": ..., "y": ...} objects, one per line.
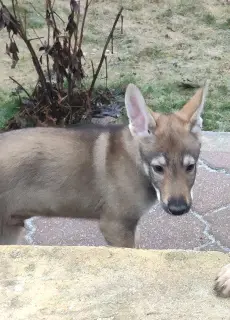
[{"x": 58, "y": 97}]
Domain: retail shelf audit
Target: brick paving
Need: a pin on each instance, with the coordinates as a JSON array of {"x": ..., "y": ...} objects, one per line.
[{"x": 206, "y": 227}]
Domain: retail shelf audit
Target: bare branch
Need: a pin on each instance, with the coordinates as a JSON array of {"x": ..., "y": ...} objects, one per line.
[
  {"x": 106, "y": 72},
  {"x": 112, "y": 44},
  {"x": 59, "y": 16},
  {"x": 21, "y": 87},
  {"x": 104, "y": 50},
  {"x": 122, "y": 23},
  {"x": 36, "y": 10},
  {"x": 92, "y": 65},
  {"x": 83, "y": 22},
  {"x": 37, "y": 38}
]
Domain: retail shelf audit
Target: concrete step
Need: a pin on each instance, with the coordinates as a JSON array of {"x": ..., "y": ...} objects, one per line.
[{"x": 89, "y": 283}]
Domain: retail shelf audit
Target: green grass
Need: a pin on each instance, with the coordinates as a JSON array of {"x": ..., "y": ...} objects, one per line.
[
  {"x": 8, "y": 107},
  {"x": 165, "y": 97},
  {"x": 34, "y": 18},
  {"x": 209, "y": 19}
]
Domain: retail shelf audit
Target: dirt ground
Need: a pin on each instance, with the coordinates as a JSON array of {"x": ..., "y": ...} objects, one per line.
[{"x": 164, "y": 44}]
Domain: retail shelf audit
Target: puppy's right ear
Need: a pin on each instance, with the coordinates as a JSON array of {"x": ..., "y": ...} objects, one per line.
[{"x": 140, "y": 119}]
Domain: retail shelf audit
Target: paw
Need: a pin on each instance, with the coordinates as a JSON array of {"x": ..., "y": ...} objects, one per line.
[{"x": 222, "y": 282}]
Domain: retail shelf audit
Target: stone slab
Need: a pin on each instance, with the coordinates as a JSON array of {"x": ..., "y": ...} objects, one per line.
[
  {"x": 88, "y": 283},
  {"x": 217, "y": 160},
  {"x": 219, "y": 222},
  {"x": 211, "y": 191},
  {"x": 62, "y": 231},
  {"x": 158, "y": 230},
  {"x": 216, "y": 141}
]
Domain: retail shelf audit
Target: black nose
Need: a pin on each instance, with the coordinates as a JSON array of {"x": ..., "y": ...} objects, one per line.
[{"x": 178, "y": 206}]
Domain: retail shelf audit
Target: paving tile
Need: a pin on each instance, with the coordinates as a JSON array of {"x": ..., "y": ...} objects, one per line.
[
  {"x": 215, "y": 141},
  {"x": 158, "y": 230},
  {"x": 63, "y": 231},
  {"x": 220, "y": 225},
  {"x": 211, "y": 190},
  {"x": 217, "y": 160}
]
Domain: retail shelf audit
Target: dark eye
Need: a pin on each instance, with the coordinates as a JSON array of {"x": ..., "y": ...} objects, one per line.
[
  {"x": 190, "y": 167},
  {"x": 158, "y": 169}
]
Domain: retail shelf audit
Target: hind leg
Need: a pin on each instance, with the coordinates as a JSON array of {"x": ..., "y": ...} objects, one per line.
[{"x": 119, "y": 232}]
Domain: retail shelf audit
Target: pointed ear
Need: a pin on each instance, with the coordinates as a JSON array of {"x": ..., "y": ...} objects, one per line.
[
  {"x": 141, "y": 123},
  {"x": 192, "y": 110}
]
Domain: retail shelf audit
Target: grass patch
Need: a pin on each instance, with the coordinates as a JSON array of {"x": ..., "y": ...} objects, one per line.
[
  {"x": 33, "y": 19},
  {"x": 169, "y": 97},
  {"x": 8, "y": 107},
  {"x": 151, "y": 53},
  {"x": 186, "y": 7},
  {"x": 209, "y": 19},
  {"x": 225, "y": 25}
]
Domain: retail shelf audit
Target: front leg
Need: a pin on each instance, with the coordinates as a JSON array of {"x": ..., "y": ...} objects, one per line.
[
  {"x": 222, "y": 282},
  {"x": 119, "y": 232}
]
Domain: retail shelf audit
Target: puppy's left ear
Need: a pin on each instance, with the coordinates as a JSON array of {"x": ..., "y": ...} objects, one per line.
[{"x": 192, "y": 110}]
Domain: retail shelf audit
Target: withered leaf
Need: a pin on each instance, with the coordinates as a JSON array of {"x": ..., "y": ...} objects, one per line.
[
  {"x": 49, "y": 22},
  {"x": 76, "y": 68},
  {"x": 13, "y": 47},
  {"x": 8, "y": 21},
  {"x": 2, "y": 22},
  {"x": 65, "y": 44},
  {"x": 12, "y": 27},
  {"x": 14, "y": 63},
  {"x": 79, "y": 53},
  {"x": 7, "y": 50},
  {"x": 57, "y": 46},
  {"x": 15, "y": 60},
  {"x": 47, "y": 14},
  {"x": 75, "y": 6},
  {"x": 5, "y": 15},
  {"x": 56, "y": 33},
  {"x": 48, "y": 4},
  {"x": 71, "y": 26}
]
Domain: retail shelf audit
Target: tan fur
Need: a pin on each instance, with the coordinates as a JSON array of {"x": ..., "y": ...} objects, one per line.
[
  {"x": 97, "y": 173},
  {"x": 173, "y": 138}
]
